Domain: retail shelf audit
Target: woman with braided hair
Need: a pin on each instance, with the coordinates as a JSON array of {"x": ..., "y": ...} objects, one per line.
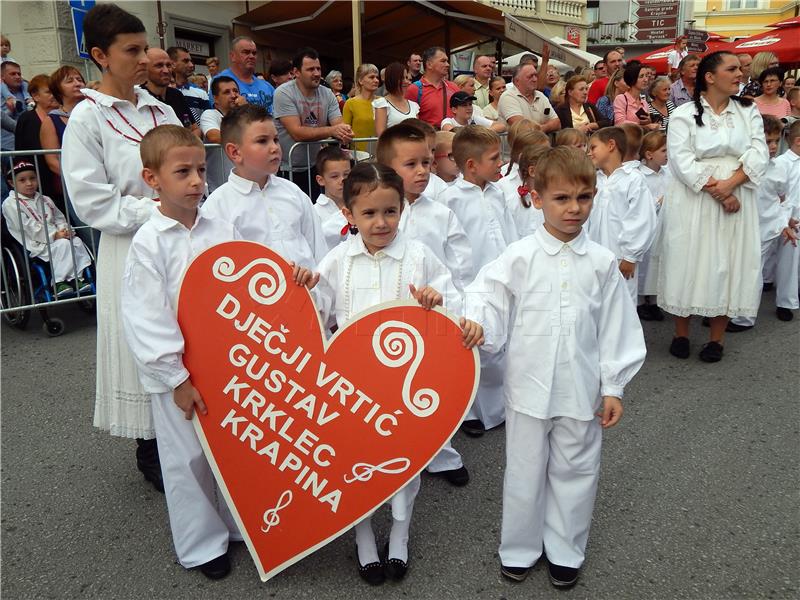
[{"x": 710, "y": 254}]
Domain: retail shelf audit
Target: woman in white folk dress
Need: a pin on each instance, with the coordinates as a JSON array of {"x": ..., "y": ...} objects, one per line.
[
  {"x": 710, "y": 254},
  {"x": 102, "y": 170}
]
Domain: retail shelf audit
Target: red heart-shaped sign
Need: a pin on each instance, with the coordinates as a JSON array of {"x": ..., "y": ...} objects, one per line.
[{"x": 305, "y": 435}]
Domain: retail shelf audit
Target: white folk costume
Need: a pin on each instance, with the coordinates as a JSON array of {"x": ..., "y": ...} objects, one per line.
[
  {"x": 103, "y": 173},
  {"x": 335, "y": 227},
  {"x": 34, "y": 222},
  {"x": 279, "y": 215},
  {"x": 789, "y": 256},
  {"x": 435, "y": 225},
  {"x": 711, "y": 260},
  {"x": 436, "y": 187},
  {"x": 160, "y": 253},
  {"x": 485, "y": 218},
  {"x": 657, "y": 182},
  {"x": 623, "y": 217},
  {"x": 576, "y": 337},
  {"x": 353, "y": 280},
  {"x": 527, "y": 219}
]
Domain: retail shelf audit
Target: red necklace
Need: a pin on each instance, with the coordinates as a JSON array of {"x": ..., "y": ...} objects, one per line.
[{"x": 128, "y": 123}]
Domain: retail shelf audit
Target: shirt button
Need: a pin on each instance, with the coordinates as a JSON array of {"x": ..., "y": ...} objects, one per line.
[
  {"x": 564, "y": 285},
  {"x": 563, "y": 262}
]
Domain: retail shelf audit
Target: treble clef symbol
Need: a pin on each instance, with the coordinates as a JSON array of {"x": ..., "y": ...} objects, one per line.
[
  {"x": 364, "y": 471},
  {"x": 271, "y": 517}
]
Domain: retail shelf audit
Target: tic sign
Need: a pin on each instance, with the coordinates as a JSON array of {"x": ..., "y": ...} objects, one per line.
[{"x": 308, "y": 435}]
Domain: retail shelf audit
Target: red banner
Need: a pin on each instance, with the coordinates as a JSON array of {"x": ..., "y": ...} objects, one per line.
[{"x": 306, "y": 435}]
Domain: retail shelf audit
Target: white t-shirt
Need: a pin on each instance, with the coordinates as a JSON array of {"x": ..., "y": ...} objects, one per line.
[
  {"x": 477, "y": 119},
  {"x": 393, "y": 115},
  {"x": 210, "y": 119},
  {"x": 674, "y": 58}
]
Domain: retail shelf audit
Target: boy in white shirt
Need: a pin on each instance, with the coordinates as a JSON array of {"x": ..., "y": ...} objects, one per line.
[
  {"x": 464, "y": 114},
  {"x": 778, "y": 236},
  {"x": 333, "y": 167},
  {"x": 481, "y": 209},
  {"x": 174, "y": 166},
  {"x": 350, "y": 283},
  {"x": 444, "y": 165},
  {"x": 623, "y": 218},
  {"x": 404, "y": 148},
  {"x": 36, "y": 223},
  {"x": 574, "y": 345},
  {"x": 436, "y": 185},
  {"x": 264, "y": 208}
]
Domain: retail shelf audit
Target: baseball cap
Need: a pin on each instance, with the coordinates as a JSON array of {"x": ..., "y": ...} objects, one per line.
[{"x": 461, "y": 99}]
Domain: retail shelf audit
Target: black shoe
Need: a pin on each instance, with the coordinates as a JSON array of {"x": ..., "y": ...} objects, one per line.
[
  {"x": 395, "y": 568},
  {"x": 148, "y": 463},
  {"x": 562, "y": 577},
  {"x": 732, "y": 327},
  {"x": 514, "y": 573},
  {"x": 706, "y": 322},
  {"x": 458, "y": 477},
  {"x": 711, "y": 352},
  {"x": 473, "y": 428},
  {"x": 768, "y": 286},
  {"x": 216, "y": 568},
  {"x": 679, "y": 348},
  {"x": 784, "y": 314},
  {"x": 649, "y": 312},
  {"x": 373, "y": 573}
]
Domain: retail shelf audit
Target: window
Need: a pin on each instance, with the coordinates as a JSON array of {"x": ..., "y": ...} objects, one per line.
[{"x": 740, "y": 4}]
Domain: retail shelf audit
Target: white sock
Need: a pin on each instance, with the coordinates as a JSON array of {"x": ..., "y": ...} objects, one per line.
[
  {"x": 398, "y": 539},
  {"x": 365, "y": 541}
]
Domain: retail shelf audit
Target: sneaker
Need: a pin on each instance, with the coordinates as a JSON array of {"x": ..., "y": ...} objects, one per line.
[
  {"x": 63, "y": 288},
  {"x": 514, "y": 573},
  {"x": 473, "y": 428},
  {"x": 784, "y": 314},
  {"x": 711, "y": 352},
  {"x": 679, "y": 348},
  {"x": 83, "y": 285},
  {"x": 562, "y": 577}
]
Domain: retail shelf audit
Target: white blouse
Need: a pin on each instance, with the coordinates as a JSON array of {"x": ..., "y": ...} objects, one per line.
[
  {"x": 623, "y": 217},
  {"x": 279, "y": 215},
  {"x": 393, "y": 115},
  {"x": 352, "y": 280},
  {"x": 101, "y": 162},
  {"x": 576, "y": 336},
  {"x": 738, "y": 132},
  {"x": 159, "y": 256}
]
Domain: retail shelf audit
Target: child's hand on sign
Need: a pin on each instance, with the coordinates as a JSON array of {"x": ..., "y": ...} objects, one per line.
[
  {"x": 304, "y": 277},
  {"x": 473, "y": 333},
  {"x": 427, "y": 296},
  {"x": 186, "y": 397}
]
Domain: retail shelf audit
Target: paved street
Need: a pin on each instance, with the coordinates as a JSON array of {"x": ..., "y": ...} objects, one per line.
[{"x": 698, "y": 496}]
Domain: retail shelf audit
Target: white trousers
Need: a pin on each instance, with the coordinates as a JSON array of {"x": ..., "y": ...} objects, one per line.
[
  {"x": 779, "y": 264},
  {"x": 447, "y": 459},
  {"x": 552, "y": 468},
  {"x": 489, "y": 404},
  {"x": 62, "y": 266},
  {"x": 201, "y": 523}
]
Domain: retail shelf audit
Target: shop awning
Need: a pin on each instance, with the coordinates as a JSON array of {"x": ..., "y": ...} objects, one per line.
[
  {"x": 658, "y": 58},
  {"x": 783, "y": 41}
]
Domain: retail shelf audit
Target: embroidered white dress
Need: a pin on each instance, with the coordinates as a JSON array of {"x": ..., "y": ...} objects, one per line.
[
  {"x": 103, "y": 174},
  {"x": 711, "y": 260}
]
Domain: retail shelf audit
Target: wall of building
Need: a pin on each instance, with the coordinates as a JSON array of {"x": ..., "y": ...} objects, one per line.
[{"x": 718, "y": 16}]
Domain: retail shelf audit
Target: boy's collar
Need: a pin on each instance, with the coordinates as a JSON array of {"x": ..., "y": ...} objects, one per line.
[
  {"x": 245, "y": 186},
  {"x": 163, "y": 222},
  {"x": 552, "y": 245}
]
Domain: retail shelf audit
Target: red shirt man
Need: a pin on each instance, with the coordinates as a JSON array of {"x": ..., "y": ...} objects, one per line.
[
  {"x": 613, "y": 60},
  {"x": 434, "y": 94}
]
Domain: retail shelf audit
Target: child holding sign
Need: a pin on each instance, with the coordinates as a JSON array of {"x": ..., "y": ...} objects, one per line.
[
  {"x": 378, "y": 265},
  {"x": 174, "y": 166},
  {"x": 575, "y": 344}
]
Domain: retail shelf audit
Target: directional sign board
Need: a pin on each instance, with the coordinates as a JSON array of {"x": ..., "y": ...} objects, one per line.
[
  {"x": 696, "y": 40},
  {"x": 79, "y": 8},
  {"x": 657, "y": 20}
]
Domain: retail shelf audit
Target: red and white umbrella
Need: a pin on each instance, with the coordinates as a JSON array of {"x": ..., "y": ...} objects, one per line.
[
  {"x": 783, "y": 41},
  {"x": 658, "y": 58}
]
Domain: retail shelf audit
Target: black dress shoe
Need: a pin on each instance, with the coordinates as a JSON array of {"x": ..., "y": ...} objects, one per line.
[
  {"x": 514, "y": 573},
  {"x": 473, "y": 428},
  {"x": 373, "y": 573},
  {"x": 649, "y": 312},
  {"x": 706, "y": 322},
  {"x": 562, "y": 577},
  {"x": 148, "y": 463},
  {"x": 395, "y": 568},
  {"x": 458, "y": 477},
  {"x": 768, "y": 286},
  {"x": 216, "y": 568},
  {"x": 784, "y": 314},
  {"x": 679, "y": 348},
  {"x": 711, "y": 352},
  {"x": 732, "y": 327}
]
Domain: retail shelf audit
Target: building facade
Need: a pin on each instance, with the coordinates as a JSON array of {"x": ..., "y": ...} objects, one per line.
[
  {"x": 742, "y": 18},
  {"x": 550, "y": 18}
]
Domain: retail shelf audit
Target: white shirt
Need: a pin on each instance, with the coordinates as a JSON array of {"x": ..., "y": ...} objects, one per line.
[
  {"x": 437, "y": 227},
  {"x": 656, "y": 181},
  {"x": 436, "y": 186},
  {"x": 514, "y": 104},
  {"x": 159, "y": 256},
  {"x": 477, "y": 119},
  {"x": 352, "y": 280},
  {"x": 102, "y": 168},
  {"x": 674, "y": 57},
  {"x": 210, "y": 119},
  {"x": 332, "y": 221},
  {"x": 485, "y": 218},
  {"x": 623, "y": 217},
  {"x": 791, "y": 163},
  {"x": 773, "y": 210},
  {"x": 576, "y": 335},
  {"x": 37, "y": 218},
  {"x": 527, "y": 219},
  {"x": 280, "y": 216},
  {"x": 393, "y": 115}
]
